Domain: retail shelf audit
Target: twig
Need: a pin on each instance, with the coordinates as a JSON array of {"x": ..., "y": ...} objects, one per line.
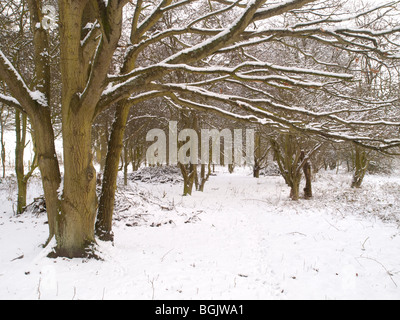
[
  {"x": 257, "y": 200},
  {"x": 145, "y": 198},
  {"x": 152, "y": 286},
  {"x": 363, "y": 248},
  {"x": 38, "y": 289},
  {"x": 387, "y": 271},
  {"x": 296, "y": 232},
  {"x": 17, "y": 258},
  {"x": 162, "y": 259},
  {"x": 332, "y": 225}
]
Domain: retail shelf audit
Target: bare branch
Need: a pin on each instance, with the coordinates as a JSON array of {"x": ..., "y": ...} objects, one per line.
[{"x": 17, "y": 86}]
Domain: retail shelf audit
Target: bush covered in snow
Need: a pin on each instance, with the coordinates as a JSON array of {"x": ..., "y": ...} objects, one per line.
[
  {"x": 271, "y": 170},
  {"x": 161, "y": 174}
]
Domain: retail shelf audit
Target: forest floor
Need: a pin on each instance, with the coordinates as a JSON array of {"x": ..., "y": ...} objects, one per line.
[{"x": 240, "y": 239}]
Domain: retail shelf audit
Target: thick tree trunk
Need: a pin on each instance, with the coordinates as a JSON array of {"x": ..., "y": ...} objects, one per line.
[
  {"x": 288, "y": 159},
  {"x": 48, "y": 165},
  {"x": 361, "y": 164},
  {"x": 361, "y": 167},
  {"x": 295, "y": 190},
  {"x": 83, "y": 83},
  {"x": 79, "y": 201},
  {"x": 256, "y": 171},
  {"x": 107, "y": 198}
]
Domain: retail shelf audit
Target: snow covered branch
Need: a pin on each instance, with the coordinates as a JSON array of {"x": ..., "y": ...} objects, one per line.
[
  {"x": 10, "y": 101},
  {"x": 27, "y": 99},
  {"x": 333, "y": 128}
]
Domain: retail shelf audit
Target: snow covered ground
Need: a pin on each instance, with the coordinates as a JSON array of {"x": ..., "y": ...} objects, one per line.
[{"x": 240, "y": 239}]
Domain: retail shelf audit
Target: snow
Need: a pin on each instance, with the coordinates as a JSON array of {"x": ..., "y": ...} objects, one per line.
[
  {"x": 35, "y": 95},
  {"x": 9, "y": 65},
  {"x": 9, "y": 99},
  {"x": 240, "y": 239},
  {"x": 39, "y": 97},
  {"x": 263, "y": 65}
]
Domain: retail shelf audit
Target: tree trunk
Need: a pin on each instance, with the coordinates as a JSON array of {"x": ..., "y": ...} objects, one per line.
[
  {"x": 3, "y": 146},
  {"x": 79, "y": 201},
  {"x": 3, "y": 156},
  {"x": 192, "y": 179},
  {"x": 361, "y": 164},
  {"x": 308, "y": 176},
  {"x": 48, "y": 165},
  {"x": 22, "y": 192},
  {"x": 101, "y": 150},
  {"x": 295, "y": 190},
  {"x": 136, "y": 155},
  {"x": 288, "y": 159},
  {"x": 126, "y": 164},
  {"x": 256, "y": 171},
  {"x": 20, "y": 130},
  {"x": 189, "y": 175},
  {"x": 257, "y": 156},
  {"x": 203, "y": 177},
  {"x": 107, "y": 198}
]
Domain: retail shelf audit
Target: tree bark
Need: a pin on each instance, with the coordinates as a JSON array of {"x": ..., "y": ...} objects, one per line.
[
  {"x": 203, "y": 176},
  {"x": 126, "y": 164},
  {"x": 76, "y": 222},
  {"x": 189, "y": 173},
  {"x": 308, "y": 176},
  {"x": 295, "y": 190},
  {"x": 107, "y": 197},
  {"x": 3, "y": 155},
  {"x": 21, "y": 198},
  {"x": 20, "y": 130},
  {"x": 2, "y": 143},
  {"x": 288, "y": 158},
  {"x": 361, "y": 164},
  {"x": 256, "y": 170},
  {"x": 48, "y": 165}
]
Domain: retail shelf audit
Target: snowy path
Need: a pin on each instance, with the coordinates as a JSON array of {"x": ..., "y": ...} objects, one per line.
[{"x": 250, "y": 242}]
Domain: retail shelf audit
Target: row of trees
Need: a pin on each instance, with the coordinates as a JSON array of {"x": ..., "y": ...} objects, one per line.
[
  {"x": 320, "y": 68},
  {"x": 296, "y": 156}
]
